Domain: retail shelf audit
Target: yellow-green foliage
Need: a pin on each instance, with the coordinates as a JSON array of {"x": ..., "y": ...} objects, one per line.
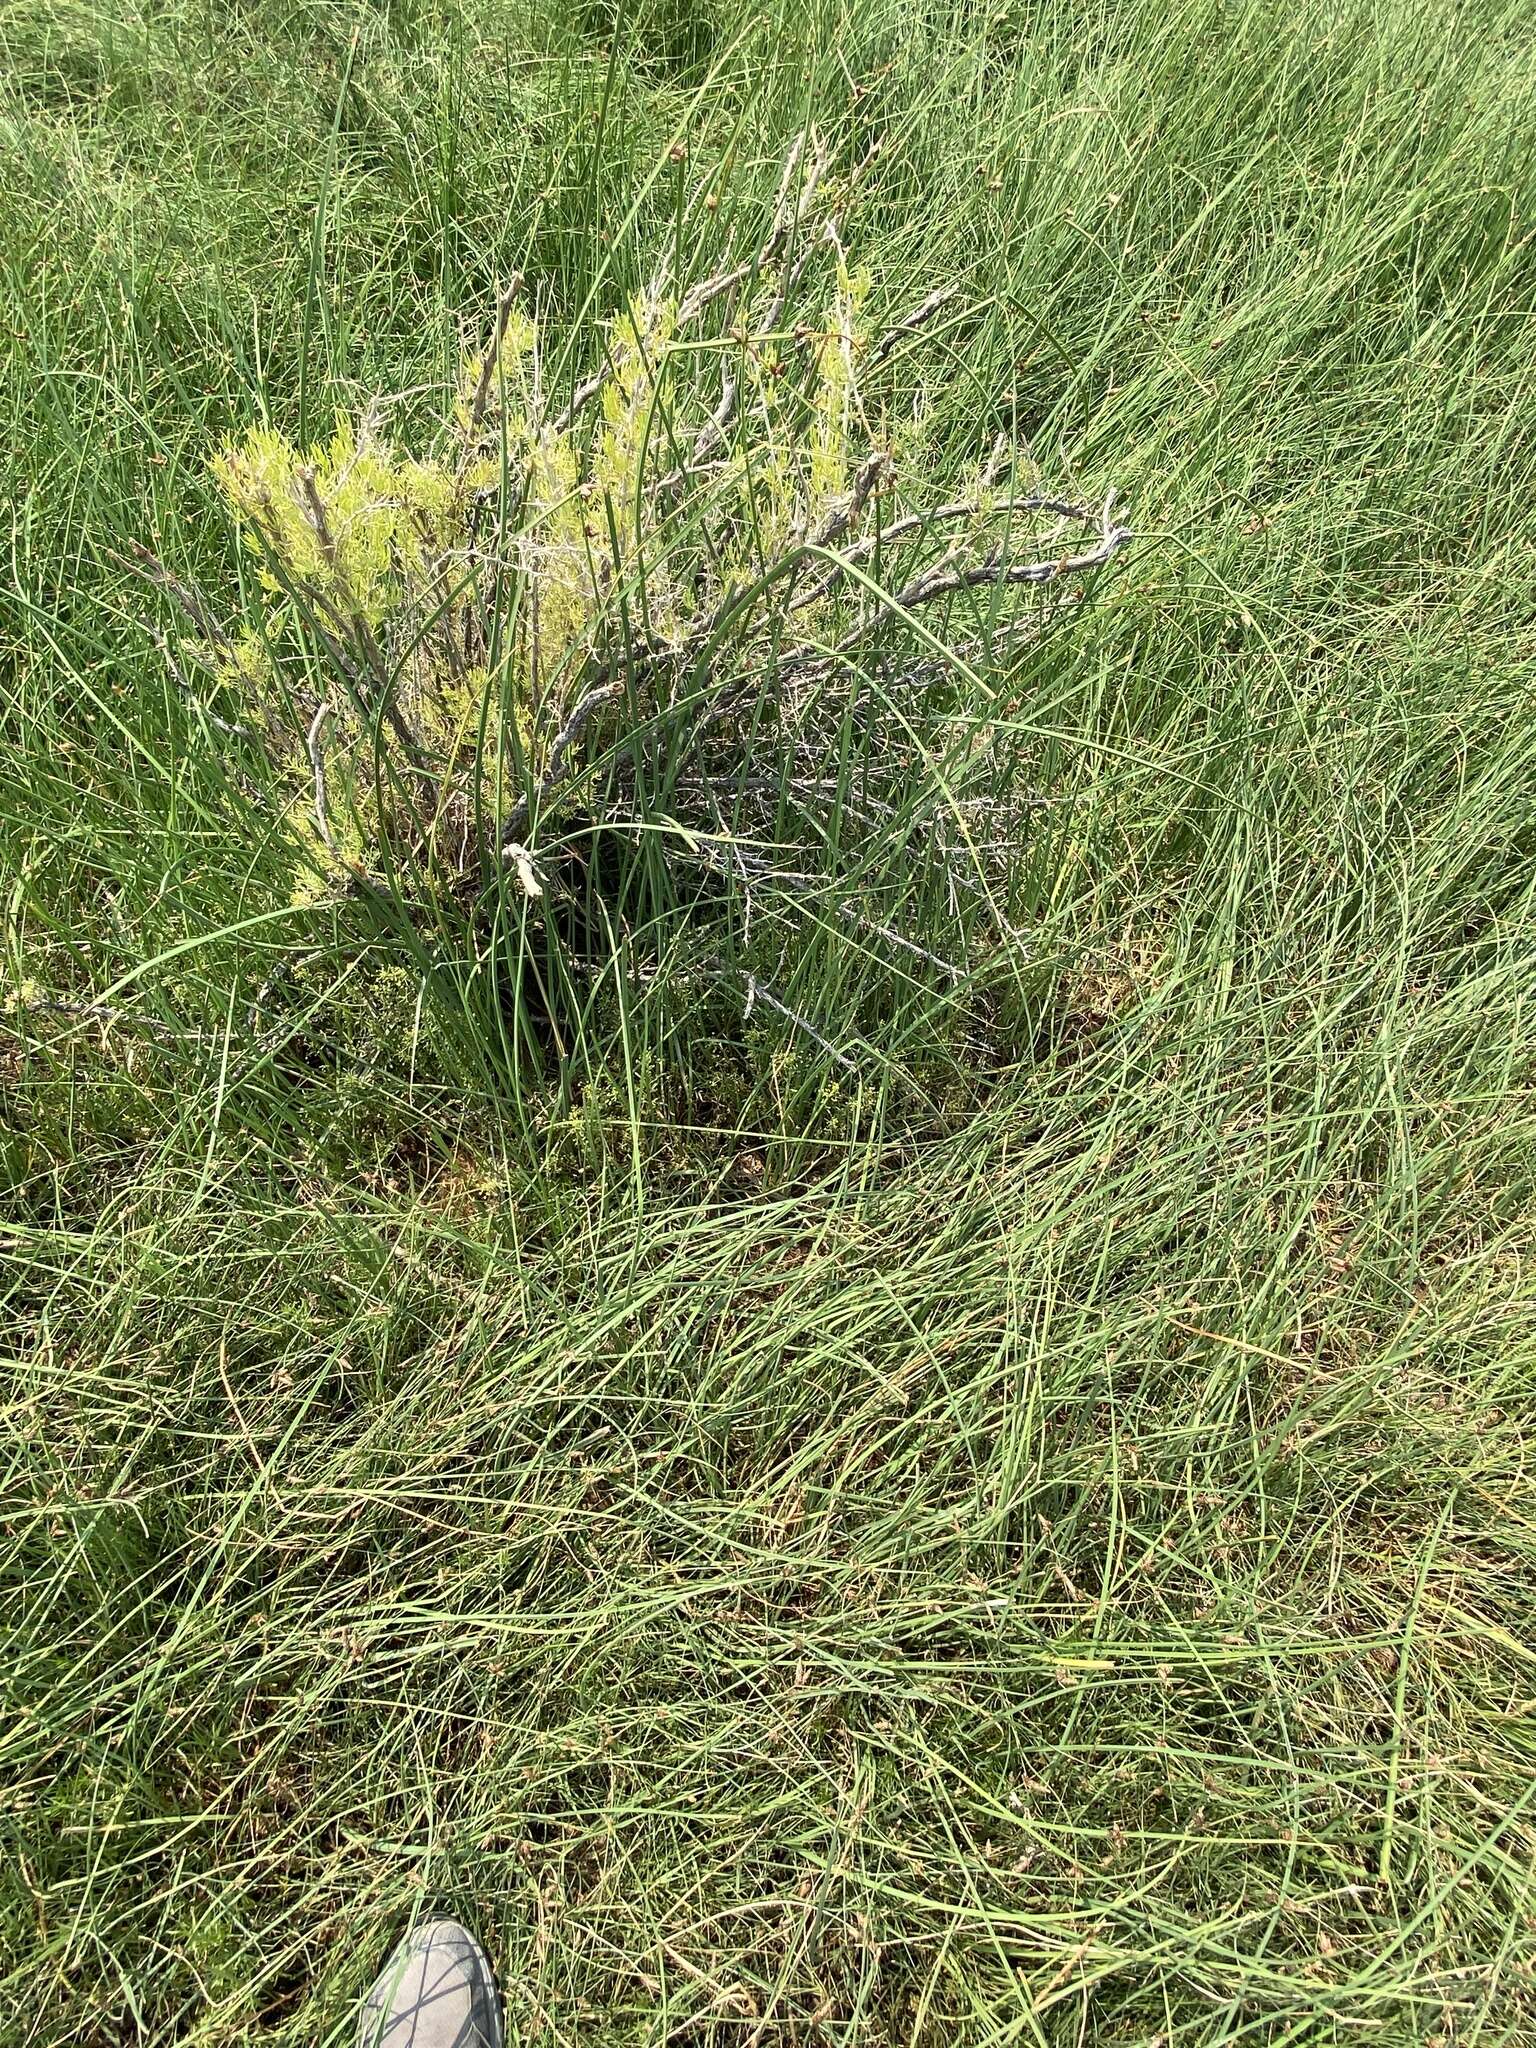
[
  {"x": 637, "y": 345},
  {"x": 556, "y": 553},
  {"x": 390, "y": 559},
  {"x": 368, "y": 530},
  {"x": 833, "y": 393},
  {"x": 346, "y": 519},
  {"x": 246, "y": 664}
]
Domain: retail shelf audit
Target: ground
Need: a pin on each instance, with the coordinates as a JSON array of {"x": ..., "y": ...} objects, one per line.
[{"x": 1036, "y": 1547}]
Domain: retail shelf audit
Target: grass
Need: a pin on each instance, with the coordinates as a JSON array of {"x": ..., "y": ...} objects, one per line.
[{"x": 1030, "y": 1538}]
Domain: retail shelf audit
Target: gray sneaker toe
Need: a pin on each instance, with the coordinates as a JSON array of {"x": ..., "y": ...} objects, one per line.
[{"x": 436, "y": 1991}]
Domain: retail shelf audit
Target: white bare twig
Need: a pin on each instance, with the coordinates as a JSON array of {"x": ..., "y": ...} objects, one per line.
[
  {"x": 909, "y": 323},
  {"x": 527, "y": 874},
  {"x": 758, "y": 993},
  {"x": 944, "y": 578},
  {"x": 313, "y": 740}
]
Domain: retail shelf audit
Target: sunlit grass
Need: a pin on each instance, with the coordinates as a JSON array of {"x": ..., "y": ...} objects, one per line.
[{"x": 1021, "y": 1532}]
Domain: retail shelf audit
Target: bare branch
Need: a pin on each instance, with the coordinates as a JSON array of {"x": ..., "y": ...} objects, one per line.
[
  {"x": 493, "y": 354},
  {"x": 899, "y": 939},
  {"x": 88, "y": 1012},
  {"x": 336, "y": 632},
  {"x": 728, "y": 856},
  {"x": 911, "y": 322},
  {"x": 581, "y": 398},
  {"x": 757, "y": 993},
  {"x": 714, "y": 429},
  {"x": 942, "y": 579},
  {"x": 996, "y": 462},
  {"x": 586, "y": 709},
  {"x": 849, "y": 511},
  {"x": 313, "y": 740},
  {"x": 789, "y": 208},
  {"x": 788, "y": 285},
  {"x": 912, "y": 523},
  {"x": 315, "y": 506},
  {"x": 699, "y": 297},
  {"x": 179, "y": 676},
  {"x": 143, "y": 563},
  {"x": 782, "y": 214}
]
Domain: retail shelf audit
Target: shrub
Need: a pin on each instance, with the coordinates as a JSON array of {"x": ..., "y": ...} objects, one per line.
[{"x": 677, "y": 674}]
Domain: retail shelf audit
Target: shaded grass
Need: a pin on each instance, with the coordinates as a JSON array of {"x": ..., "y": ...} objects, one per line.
[
  {"x": 1067, "y": 1578},
  {"x": 909, "y": 1605}
]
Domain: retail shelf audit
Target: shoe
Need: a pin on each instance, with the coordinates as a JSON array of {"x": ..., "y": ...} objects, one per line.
[{"x": 436, "y": 1991}]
